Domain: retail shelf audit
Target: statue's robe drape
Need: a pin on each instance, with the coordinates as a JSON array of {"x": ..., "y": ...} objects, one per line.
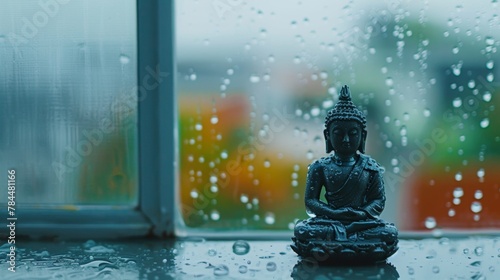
[{"x": 362, "y": 188}]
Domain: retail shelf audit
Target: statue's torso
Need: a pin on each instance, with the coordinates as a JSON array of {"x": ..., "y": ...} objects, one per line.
[{"x": 338, "y": 192}]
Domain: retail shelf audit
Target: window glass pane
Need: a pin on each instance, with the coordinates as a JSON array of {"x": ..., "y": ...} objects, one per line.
[
  {"x": 256, "y": 78},
  {"x": 67, "y": 110}
]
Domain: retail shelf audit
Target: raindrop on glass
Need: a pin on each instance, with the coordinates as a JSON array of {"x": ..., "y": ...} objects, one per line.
[
  {"x": 269, "y": 218},
  {"x": 389, "y": 81},
  {"x": 192, "y": 77},
  {"x": 490, "y": 64},
  {"x": 489, "y": 40},
  {"x": 310, "y": 155},
  {"x": 230, "y": 71},
  {"x": 457, "y": 102},
  {"x": 458, "y": 192},
  {"x": 198, "y": 126},
  {"x": 476, "y": 207},
  {"x": 490, "y": 77},
  {"x": 271, "y": 266},
  {"x": 478, "y": 251},
  {"x": 223, "y": 154},
  {"x": 451, "y": 213},
  {"x": 435, "y": 269},
  {"x": 315, "y": 111},
  {"x": 213, "y": 179},
  {"x": 215, "y": 215},
  {"x": 480, "y": 173},
  {"x": 214, "y": 120},
  {"x": 194, "y": 194},
  {"x": 221, "y": 270},
  {"x": 212, "y": 252},
  {"x": 430, "y": 222},
  {"x": 427, "y": 113},
  {"x": 124, "y": 59},
  {"x": 471, "y": 84},
  {"x": 478, "y": 194},
  {"x": 241, "y": 247},
  {"x": 254, "y": 79},
  {"x": 458, "y": 176},
  {"x": 244, "y": 198},
  {"x": 327, "y": 104},
  {"x": 484, "y": 123},
  {"x": 487, "y": 96},
  {"x": 243, "y": 269}
]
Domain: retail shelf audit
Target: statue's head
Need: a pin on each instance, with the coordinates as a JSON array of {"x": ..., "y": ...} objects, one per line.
[{"x": 345, "y": 116}]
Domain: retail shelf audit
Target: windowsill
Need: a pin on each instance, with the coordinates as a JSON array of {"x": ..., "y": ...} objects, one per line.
[{"x": 472, "y": 257}]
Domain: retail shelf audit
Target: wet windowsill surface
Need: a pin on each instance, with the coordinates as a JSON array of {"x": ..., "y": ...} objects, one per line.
[{"x": 436, "y": 258}]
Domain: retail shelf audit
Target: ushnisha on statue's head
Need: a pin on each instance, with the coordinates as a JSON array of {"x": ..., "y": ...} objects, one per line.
[{"x": 345, "y": 111}]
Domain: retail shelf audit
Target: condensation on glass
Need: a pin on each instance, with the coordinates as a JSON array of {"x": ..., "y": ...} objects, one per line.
[
  {"x": 255, "y": 80},
  {"x": 68, "y": 116}
]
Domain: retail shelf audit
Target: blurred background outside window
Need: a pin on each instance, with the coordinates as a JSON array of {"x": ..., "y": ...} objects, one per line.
[{"x": 256, "y": 78}]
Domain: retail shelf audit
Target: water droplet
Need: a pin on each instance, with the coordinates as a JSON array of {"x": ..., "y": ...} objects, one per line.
[
  {"x": 455, "y": 50},
  {"x": 198, "y": 126},
  {"x": 192, "y": 77},
  {"x": 457, "y": 102},
  {"x": 411, "y": 271},
  {"x": 310, "y": 213},
  {"x": 194, "y": 194},
  {"x": 490, "y": 64},
  {"x": 223, "y": 154},
  {"x": 271, "y": 266},
  {"x": 327, "y": 104},
  {"x": 269, "y": 218},
  {"x": 214, "y": 215},
  {"x": 489, "y": 40},
  {"x": 471, "y": 84},
  {"x": 389, "y": 82},
  {"x": 478, "y": 251},
  {"x": 310, "y": 155},
  {"x": 430, "y": 222},
  {"x": 476, "y": 207},
  {"x": 213, "y": 179},
  {"x": 271, "y": 58},
  {"x": 214, "y": 120},
  {"x": 458, "y": 176},
  {"x": 164, "y": 261},
  {"x": 403, "y": 130},
  {"x": 212, "y": 252},
  {"x": 230, "y": 71},
  {"x": 451, "y": 213},
  {"x": 296, "y": 60},
  {"x": 254, "y": 79},
  {"x": 476, "y": 264},
  {"x": 388, "y": 144},
  {"x": 435, "y": 269},
  {"x": 480, "y": 173},
  {"x": 427, "y": 113},
  {"x": 458, "y": 192},
  {"x": 243, "y": 269},
  {"x": 478, "y": 194},
  {"x": 241, "y": 247},
  {"x": 244, "y": 198},
  {"x": 490, "y": 77},
  {"x": 221, "y": 270},
  {"x": 487, "y": 96},
  {"x": 315, "y": 111},
  {"x": 456, "y": 201},
  {"x": 485, "y": 123},
  {"x": 124, "y": 59}
]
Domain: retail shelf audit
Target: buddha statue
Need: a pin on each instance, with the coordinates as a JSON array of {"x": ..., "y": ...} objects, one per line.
[{"x": 347, "y": 228}]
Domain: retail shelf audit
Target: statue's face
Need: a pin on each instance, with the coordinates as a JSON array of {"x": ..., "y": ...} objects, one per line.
[{"x": 345, "y": 137}]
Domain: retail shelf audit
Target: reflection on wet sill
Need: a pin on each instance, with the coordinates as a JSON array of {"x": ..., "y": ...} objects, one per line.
[{"x": 472, "y": 258}]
